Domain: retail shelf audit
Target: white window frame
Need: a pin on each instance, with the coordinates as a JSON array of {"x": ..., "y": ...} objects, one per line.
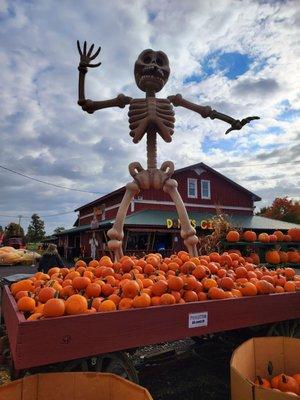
[
  {"x": 209, "y": 191},
  {"x": 196, "y": 188}
]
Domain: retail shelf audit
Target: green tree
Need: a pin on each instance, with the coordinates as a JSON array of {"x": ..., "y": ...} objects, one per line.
[
  {"x": 36, "y": 229},
  {"x": 58, "y": 229},
  {"x": 13, "y": 230},
  {"x": 283, "y": 209}
]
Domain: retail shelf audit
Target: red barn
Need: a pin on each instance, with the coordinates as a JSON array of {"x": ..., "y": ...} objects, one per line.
[{"x": 152, "y": 219}]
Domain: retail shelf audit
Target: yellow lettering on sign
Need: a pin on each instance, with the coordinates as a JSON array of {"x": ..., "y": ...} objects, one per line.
[
  {"x": 193, "y": 223},
  {"x": 203, "y": 224},
  {"x": 169, "y": 223}
]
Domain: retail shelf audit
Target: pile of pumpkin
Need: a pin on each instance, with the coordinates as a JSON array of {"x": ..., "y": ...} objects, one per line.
[
  {"x": 292, "y": 235},
  {"x": 150, "y": 281},
  {"x": 281, "y": 383},
  {"x": 272, "y": 256}
]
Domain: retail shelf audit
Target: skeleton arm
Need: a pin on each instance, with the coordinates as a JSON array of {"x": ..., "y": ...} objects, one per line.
[
  {"x": 88, "y": 105},
  {"x": 206, "y": 111}
]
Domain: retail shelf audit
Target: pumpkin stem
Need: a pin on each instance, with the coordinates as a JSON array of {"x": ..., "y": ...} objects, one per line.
[
  {"x": 260, "y": 381},
  {"x": 284, "y": 378}
]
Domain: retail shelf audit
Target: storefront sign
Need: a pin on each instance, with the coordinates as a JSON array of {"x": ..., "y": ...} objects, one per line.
[{"x": 203, "y": 224}]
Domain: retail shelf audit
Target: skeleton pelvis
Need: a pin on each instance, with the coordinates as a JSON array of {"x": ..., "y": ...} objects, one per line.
[{"x": 153, "y": 177}]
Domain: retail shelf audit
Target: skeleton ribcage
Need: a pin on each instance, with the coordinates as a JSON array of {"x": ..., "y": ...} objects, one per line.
[{"x": 149, "y": 113}]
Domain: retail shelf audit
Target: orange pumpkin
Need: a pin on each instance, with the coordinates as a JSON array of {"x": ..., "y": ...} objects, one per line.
[
  {"x": 288, "y": 384},
  {"x": 272, "y": 257},
  {"x": 233, "y": 236},
  {"x": 263, "y": 237},
  {"x": 249, "y": 236},
  {"x": 262, "y": 382},
  {"x": 76, "y": 304},
  {"x": 294, "y": 233},
  {"x": 54, "y": 308},
  {"x": 26, "y": 304},
  {"x": 279, "y": 235}
]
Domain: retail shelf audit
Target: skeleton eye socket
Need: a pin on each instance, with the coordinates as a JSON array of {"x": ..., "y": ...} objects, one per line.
[
  {"x": 147, "y": 59},
  {"x": 159, "y": 62}
]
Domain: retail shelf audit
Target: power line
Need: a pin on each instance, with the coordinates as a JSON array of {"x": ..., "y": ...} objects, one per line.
[
  {"x": 41, "y": 216},
  {"x": 47, "y": 183}
]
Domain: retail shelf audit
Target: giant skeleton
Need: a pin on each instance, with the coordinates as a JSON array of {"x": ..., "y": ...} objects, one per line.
[{"x": 149, "y": 116}]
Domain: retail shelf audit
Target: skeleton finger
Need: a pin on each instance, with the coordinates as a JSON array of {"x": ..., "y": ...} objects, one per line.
[
  {"x": 137, "y": 117},
  {"x": 90, "y": 50},
  {"x": 84, "y": 48},
  {"x": 137, "y": 111},
  {"x": 95, "y": 55},
  {"x": 94, "y": 65},
  {"x": 78, "y": 47}
]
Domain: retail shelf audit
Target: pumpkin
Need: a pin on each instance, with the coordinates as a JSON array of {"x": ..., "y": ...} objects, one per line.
[
  {"x": 287, "y": 238},
  {"x": 279, "y": 235},
  {"x": 76, "y": 304},
  {"x": 272, "y": 257},
  {"x": 273, "y": 238},
  {"x": 249, "y": 236},
  {"x": 262, "y": 382},
  {"x": 283, "y": 257},
  {"x": 26, "y": 304},
  {"x": 263, "y": 237},
  {"x": 46, "y": 293},
  {"x": 288, "y": 384},
  {"x": 54, "y": 308},
  {"x": 233, "y": 236},
  {"x": 294, "y": 233}
]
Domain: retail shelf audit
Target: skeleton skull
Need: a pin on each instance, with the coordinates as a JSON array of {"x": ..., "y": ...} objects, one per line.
[{"x": 151, "y": 70}]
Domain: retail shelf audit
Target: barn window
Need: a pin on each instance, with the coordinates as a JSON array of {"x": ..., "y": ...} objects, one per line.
[
  {"x": 205, "y": 189},
  {"x": 192, "y": 188}
]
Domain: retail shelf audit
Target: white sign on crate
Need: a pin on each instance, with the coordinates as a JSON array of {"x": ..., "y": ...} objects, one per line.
[{"x": 198, "y": 319}]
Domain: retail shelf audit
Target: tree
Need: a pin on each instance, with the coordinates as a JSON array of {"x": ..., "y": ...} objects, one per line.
[
  {"x": 36, "y": 229},
  {"x": 13, "y": 230},
  {"x": 1, "y": 229},
  {"x": 58, "y": 229},
  {"x": 283, "y": 209}
]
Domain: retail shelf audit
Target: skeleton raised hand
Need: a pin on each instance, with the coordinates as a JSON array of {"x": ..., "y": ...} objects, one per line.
[
  {"x": 90, "y": 106},
  {"x": 86, "y": 57}
]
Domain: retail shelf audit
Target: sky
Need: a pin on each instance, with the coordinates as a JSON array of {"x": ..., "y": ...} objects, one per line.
[{"x": 239, "y": 57}]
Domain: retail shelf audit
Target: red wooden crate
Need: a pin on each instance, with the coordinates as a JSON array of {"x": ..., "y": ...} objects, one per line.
[{"x": 35, "y": 343}]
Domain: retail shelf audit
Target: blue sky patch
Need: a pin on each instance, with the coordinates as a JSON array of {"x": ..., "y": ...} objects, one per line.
[{"x": 232, "y": 65}]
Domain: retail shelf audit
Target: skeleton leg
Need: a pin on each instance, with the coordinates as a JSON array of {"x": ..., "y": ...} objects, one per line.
[
  {"x": 116, "y": 233},
  {"x": 187, "y": 232}
]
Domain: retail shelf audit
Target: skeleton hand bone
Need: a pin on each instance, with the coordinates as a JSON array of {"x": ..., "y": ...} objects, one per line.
[
  {"x": 86, "y": 57},
  {"x": 237, "y": 125},
  {"x": 151, "y": 112}
]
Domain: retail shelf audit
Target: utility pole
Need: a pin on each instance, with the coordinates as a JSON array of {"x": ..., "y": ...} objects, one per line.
[{"x": 19, "y": 223}]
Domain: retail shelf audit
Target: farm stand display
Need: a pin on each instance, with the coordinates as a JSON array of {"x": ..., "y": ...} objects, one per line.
[{"x": 94, "y": 333}]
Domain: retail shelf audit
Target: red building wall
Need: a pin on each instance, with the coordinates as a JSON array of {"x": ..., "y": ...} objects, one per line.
[{"x": 223, "y": 193}]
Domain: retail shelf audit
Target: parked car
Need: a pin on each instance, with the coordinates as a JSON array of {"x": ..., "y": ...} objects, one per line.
[{"x": 15, "y": 242}]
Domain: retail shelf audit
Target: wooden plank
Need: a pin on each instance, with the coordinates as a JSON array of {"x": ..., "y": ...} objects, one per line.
[
  {"x": 13, "y": 317},
  {"x": 70, "y": 337}
]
